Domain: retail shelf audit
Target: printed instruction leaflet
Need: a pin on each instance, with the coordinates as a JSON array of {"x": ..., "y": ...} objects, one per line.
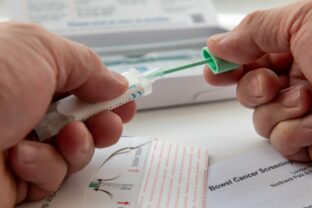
[{"x": 263, "y": 179}]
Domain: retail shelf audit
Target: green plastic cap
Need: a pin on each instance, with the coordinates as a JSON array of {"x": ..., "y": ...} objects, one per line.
[{"x": 217, "y": 65}]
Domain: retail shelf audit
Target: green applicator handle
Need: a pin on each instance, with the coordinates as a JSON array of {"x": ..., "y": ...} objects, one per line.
[{"x": 217, "y": 65}]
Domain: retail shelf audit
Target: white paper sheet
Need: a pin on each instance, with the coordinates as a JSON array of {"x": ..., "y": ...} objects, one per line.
[
  {"x": 263, "y": 179},
  {"x": 151, "y": 173}
]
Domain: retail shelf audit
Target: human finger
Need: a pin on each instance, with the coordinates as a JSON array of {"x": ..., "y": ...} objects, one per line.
[
  {"x": 258, "y": 87},
  {"x": 279, "y": 63},
  {"x": 292, "y": 138},
  {"x": 279, "y": 30},
  {"x": 105, "y": 127},
  {"x": 224, "y": 79},
  {"x": 126, "y": 112},
  {"x": 40, "y": 165},
  {"x": 290, "y": 104},
  {"x": 76, "y": 145}
]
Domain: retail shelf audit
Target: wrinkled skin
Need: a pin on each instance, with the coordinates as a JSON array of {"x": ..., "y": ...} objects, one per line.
[
  {"x": 35, "y": 66},
  {"x": 274, "y": 48}
]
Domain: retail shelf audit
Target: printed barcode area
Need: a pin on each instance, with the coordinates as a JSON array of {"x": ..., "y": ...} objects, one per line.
[{"x": 198, "y": 18}]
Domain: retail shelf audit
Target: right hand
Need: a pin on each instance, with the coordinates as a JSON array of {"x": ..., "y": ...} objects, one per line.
[{"x": 274, "y": 48}]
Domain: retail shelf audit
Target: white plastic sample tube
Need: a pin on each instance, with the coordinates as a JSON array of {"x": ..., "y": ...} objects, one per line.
[{"x": 72, "y": 109}]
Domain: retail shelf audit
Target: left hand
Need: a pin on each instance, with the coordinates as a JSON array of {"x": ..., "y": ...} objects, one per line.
[{"x": 35, "y": 65}]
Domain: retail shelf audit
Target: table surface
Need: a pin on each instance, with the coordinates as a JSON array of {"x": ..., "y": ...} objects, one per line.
[{"x": 225, "y": 128}]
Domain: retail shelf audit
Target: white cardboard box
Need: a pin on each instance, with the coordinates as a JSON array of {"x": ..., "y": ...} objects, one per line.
[{"x": 133, "y": 30}]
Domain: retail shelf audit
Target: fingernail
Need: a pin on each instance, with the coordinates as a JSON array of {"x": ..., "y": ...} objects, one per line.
[
  {"x": 27, "y": 153},
  {"x": 254, "y": 87},
  {"x": 119, "y": 77},
  {"x": 290, "y": 97},
  {"x": 218, "y": 37}
]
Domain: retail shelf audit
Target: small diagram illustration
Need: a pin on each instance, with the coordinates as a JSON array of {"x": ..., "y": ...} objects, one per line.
[
  {"x": 118, "y": 180},
  {"x": 103, "y": 185}
]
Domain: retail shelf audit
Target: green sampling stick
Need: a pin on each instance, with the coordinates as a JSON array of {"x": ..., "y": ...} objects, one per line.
[
  {"x": 187, "y": 66},
  {"x": 215, "y": 64}
]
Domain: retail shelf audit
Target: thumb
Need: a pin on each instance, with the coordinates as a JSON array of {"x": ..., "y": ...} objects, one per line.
[
  {"x": 269, "y": 31},
  {"x": 81, "y": 71}
]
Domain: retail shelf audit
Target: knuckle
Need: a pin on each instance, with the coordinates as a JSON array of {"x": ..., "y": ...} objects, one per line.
[
  {"x": 261, "y": 21},
  {"x": 254, "y": 18},
  {"x": 284, "y": 133},
  {"x": 299, "y": 25},
  {"x": 299, "y": 16},
  {"x": 297, "y": 99},
  {"x": 88, "y": 59},
  {"x": 305, "y": 99}
]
